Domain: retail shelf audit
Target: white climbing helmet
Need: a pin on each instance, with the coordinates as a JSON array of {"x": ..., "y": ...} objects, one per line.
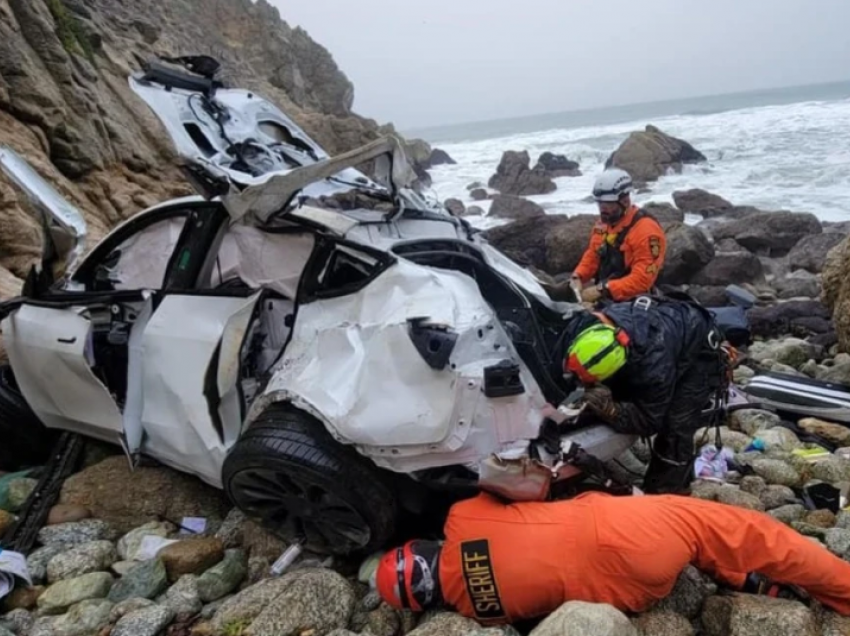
[{"x": 611, "y": 185}]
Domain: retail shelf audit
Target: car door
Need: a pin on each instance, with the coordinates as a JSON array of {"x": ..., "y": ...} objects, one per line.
[{"x": 69, "y": 345}]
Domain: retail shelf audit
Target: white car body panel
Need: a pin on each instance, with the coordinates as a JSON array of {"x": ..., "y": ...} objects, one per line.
[
  {"x": 178, "y": 345},
  {"x": 50, "y": 347},
  {"x": 352, "y": 364}
]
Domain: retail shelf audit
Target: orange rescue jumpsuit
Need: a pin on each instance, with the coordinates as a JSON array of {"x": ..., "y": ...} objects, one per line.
[
  {"x": 642, "y": 251},
  {"x": 507, "y": 562}
]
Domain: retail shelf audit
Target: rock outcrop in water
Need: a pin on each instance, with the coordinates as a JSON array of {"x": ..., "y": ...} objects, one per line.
[
  {"x": 557, "y": 166},
  {"x": 651, "y": 153},
  {"x": 66, "y": 106},
  {"x": 514, "y": 176}
]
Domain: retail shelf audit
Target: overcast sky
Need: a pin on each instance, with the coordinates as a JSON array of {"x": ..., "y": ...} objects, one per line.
[{"x": 431, "y": 62}]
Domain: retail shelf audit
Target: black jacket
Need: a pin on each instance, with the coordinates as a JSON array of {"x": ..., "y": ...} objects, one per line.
[{"x": 666, "y": 340}]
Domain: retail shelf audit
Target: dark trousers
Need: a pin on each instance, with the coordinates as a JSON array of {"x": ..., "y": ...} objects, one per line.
[{"x": 671, "y": 467}]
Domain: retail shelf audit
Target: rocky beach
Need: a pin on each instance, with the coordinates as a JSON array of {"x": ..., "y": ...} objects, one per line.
[{"x": 65, "y": 105}]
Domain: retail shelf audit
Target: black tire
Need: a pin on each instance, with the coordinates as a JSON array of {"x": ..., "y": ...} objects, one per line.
[
  {"x": 24, "y": 441},
  {"x": 289, "y": 473}
]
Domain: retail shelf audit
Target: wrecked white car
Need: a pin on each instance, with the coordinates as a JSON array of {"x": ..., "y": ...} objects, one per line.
[{"x": 323, "y": 346}]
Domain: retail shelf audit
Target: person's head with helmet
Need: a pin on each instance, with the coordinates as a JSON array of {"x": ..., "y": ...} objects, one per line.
[
  {"x": 596, "y": 354},
  {"x": 407, "y": 577},
  {"x": 612, "y": 193}
]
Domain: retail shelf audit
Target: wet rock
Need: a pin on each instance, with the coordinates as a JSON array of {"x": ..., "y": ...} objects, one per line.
[
  {"x": 22, "y": 597},
  {"x": 85, "y": 618},
  {"x": 62, "y": 513},
  {"x": 321, "y": 600},
  {"x": 651, "y": 153},
  {"x": 835, "y": 433},
  {"x": 130, "y": 605},
  {"x": 514, "y": 176},
  {"x": 753, "y": 421},
  {"x": 779, "y": 438},
  {"x": 688, "y": 252},
  {"x": 754, "y": 485},
  {"x": 383, "y": 621},
  {"x": 839, "y": 373},
  {"x": 696, "y": 200},
  {"x": 742, "y": 267},
  {"x": 655, "y": 623},
  {"x": 76, "y": 533},
  {"x": 557, "y": 166},
  {"x": 7, "y": 520},
  {"x": 810, "y": 251},
  {"x": 783, "y": 318},
  {"x": 19, "y": 491},
  {"x": 689, "y": 594},
  {"x": 749, "y": 615},
  {"x": 18, "y": 621},
  {"x": 95, "y": 556},
  {"x": 776, "y": 471},
  {"x": 565, "y": 244},
  {"x": 831, "y": 469},
  {"x": 38, "y": 559},
  {"x": 183, "y": 598},
  {"x": 792, "y": 351},
  {"x": 820, "y": 518},
  {"x": 788, "y": 513},
  {"x": 129, "y": 544},
  {"x": 479, "y": 194},
  {"x": 455, "y": 206},
  {"x": 578, "y": 618},
  {"x": 129, "y": 499},
  {"x": 224, "y": 577},
  {"x": 770, "y": 233},
  {"x": 191, "y": 556},
  {"x": 667, "y": 215},
  {"x": 60, "y": 596},
  {"x": 525, "y": 241},
  {"x": 735, "y": 497},
  {"x": 474, "y": 210},
  {"x": 506, "y": 206},
  {"x": 149, "y": 621},
  {"x": 145, "y": 580},
  {"x": 439, "y": 157},
  {"x": 444, "y": 624}
]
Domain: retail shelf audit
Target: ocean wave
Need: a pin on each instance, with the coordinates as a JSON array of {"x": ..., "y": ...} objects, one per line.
[{"x": 793, "y": 156}]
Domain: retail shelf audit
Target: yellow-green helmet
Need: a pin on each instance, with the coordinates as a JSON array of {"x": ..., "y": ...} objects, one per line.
[{"x": 597, "y": 353}]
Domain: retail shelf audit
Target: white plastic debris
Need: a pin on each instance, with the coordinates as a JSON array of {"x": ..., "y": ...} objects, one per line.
[{"x": 286, "y": 559}]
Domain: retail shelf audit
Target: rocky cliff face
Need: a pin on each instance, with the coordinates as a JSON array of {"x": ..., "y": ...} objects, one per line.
[{"x": 66, "y": 106}]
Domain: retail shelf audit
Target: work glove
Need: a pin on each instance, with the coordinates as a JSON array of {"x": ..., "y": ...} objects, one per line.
[{"x": 599, "y": 401}]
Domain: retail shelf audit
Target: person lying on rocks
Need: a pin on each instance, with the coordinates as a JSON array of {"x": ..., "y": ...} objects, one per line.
[
  {"x": 649, "y": 367},
  {"x": 514, "y": 561},
  {"x": 627, "y": 246}
]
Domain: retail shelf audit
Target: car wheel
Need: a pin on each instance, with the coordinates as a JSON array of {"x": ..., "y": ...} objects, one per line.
[
  {"x": 287, "y": 471},
  {"x": 24, "y": 441}
]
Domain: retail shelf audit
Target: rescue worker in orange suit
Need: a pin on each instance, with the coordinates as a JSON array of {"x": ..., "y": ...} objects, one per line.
[
  {"x": 627, "y": 246},
  {"x": 507, "y": 562},
  {"x": 649, "y": 367}
]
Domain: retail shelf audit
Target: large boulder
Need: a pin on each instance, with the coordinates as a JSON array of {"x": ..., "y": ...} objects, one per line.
[
  {"x": 769, "y": 233},
  {"x": 799, "y": 284},
  {"x": 688, "y": 251},
  {"x": 731, "y": 267},
  {"x": 696, "y": 200},
  {"x": 810, "y": 252},
  {"x": 524, "y": 241},
  {"x": 514, "y": 176},
  {"x": 506, "y": 206},
  {"x": 566, "y": 244},
  {"x": 128, "y": 499},
  {"x": 664, "y": 213},
  {"x": 836, "y": 290},
  {"x": 782, "y": 318},
  {"x": 439, "y": 157},
  {"x": 578, "y": 618},
  {"x": 557, "y": 166},
  {"x": 650, "y": 154}
]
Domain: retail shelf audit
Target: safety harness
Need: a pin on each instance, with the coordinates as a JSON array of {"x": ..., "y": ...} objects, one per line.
[{"x": 612, "y": 261}]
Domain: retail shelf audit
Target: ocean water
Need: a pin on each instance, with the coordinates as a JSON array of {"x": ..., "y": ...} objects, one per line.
[{"x": 786, "y": 149}]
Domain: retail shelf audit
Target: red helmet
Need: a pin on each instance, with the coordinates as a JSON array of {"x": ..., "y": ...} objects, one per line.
[{"x": 406, "y": 576}]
